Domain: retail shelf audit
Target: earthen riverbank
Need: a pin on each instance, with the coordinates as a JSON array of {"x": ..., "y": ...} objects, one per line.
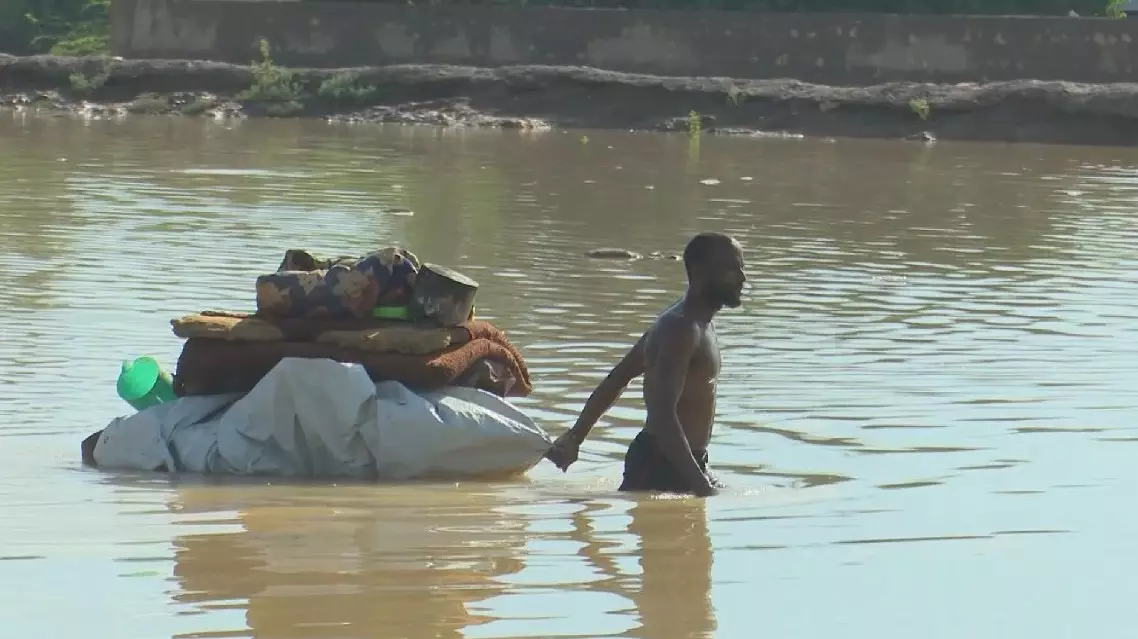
[{"x": 576, "y": 97}]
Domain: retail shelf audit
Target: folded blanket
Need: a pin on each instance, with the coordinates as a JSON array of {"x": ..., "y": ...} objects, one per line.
[
  {"x": 211, "y": 366},
  {"x": 380, "y": 336}
]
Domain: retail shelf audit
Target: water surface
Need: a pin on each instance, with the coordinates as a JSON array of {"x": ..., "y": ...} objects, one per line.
[{"x": 928, "y": 411}]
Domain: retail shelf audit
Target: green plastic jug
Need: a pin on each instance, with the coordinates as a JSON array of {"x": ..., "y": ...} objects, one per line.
[{"x": 142, "y": 383}]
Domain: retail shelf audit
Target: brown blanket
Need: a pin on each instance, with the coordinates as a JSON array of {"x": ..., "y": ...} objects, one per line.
[{"x": 211, "y": 366}]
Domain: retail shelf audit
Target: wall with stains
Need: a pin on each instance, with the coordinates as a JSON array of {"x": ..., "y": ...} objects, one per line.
[{"x": 852, "y": 49}]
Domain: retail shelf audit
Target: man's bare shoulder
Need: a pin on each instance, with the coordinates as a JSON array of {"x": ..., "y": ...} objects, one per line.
[{"x": 672, "y": 328}]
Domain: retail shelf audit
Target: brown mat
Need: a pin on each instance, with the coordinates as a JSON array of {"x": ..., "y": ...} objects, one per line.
[
  {"x": 367, "y": 334},
  {"x": 211, "y": 366},
  {"x": 227, "y": 327}
]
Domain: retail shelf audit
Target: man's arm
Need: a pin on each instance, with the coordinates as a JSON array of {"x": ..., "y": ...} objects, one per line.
[
  {"x": 565, "y": 449},
  {"x": 609, "y": 390},
  {"x": 678, "y": 340}
]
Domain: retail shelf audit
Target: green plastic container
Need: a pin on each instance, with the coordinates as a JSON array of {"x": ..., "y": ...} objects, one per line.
[
  {"x": 390, "y": 312},
  {"x": 142, "y": 383}
]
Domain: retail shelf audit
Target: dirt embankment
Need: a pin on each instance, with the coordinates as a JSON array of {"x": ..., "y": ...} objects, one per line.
[{"x": 577, "y": 97}]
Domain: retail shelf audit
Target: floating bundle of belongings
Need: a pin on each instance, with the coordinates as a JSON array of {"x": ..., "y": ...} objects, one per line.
[{"x": 402, "y": 320}]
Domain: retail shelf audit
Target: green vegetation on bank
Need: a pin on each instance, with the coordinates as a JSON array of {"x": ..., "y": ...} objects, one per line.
[
  {"x": 82, "y": 27},
  {"x": 60, "y": 27},
  {"x": 278, "y": 92},
  {"x": 273, "y": 86}
]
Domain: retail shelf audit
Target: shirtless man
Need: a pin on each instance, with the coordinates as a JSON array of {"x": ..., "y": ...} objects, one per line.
[{"x": 679, "y": 358}]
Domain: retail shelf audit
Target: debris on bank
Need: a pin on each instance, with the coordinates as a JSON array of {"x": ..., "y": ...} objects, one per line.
[{"x": 542, "y": 97}]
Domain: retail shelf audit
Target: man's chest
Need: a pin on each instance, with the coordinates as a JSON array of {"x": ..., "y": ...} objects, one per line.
[{"x": 707, "y": 361}]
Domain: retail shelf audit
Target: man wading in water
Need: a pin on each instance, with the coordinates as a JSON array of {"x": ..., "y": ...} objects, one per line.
[{"x": 679, "y": 358}]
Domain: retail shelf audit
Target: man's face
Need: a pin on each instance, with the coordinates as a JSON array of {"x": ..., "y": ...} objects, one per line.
[{"x": 724, "y": 278}]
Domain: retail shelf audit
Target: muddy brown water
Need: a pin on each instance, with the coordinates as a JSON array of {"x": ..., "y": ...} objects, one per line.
[{"x": 927, "y": 416}]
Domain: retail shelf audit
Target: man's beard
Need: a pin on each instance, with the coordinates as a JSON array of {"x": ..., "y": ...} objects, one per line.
[{"x": 722, "y": 295}]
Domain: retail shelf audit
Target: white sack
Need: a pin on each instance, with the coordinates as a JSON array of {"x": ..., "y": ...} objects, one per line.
[
  {"x": 456, "y": 432},
  {"x": 143, "y": 440},
  {"x": 303, "y": 419},
  {"x": 320, "y": 418}
]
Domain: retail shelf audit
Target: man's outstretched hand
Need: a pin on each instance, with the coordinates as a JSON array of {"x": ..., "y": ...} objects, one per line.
[{"x": 564, "y": 451}]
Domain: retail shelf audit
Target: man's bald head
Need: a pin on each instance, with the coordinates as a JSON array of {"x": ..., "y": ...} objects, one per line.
[
  {"x": 714, "y": 264},
  {"x": 703, "y": 247}
]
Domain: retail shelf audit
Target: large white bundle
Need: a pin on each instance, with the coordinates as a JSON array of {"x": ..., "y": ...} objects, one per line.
[{"x": 320, "y": 418}]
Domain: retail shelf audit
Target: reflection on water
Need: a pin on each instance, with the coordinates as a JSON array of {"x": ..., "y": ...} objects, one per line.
[
  {"x": 927, "y": 408},
  {"x": 389, "y": 562},
  {"x": 376, "y": 559}
]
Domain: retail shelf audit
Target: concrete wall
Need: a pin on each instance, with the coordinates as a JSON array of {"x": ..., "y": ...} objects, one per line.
[{"x": 853, "y": 49}]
